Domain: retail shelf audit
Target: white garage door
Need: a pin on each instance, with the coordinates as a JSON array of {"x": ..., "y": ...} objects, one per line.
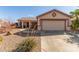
[{"x": 52, "y": 25}]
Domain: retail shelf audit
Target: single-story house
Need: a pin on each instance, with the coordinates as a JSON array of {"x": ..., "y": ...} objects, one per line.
[
  {"x": 27, "y": 22},
  {"x": 53, "y": 20}
]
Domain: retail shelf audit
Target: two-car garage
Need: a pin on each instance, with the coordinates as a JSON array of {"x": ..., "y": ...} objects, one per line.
[
  {"x": 53, "y": 25},
  {"x": 54, "y": 20}
]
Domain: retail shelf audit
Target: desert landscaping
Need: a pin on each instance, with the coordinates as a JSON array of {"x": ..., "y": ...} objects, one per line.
[
  {"x": 46, "y": 42},
  {"x": 11, "y": 42}
]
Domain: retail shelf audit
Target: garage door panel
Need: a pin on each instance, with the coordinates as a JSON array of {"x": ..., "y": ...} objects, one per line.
[{"x": 52, "y": 25}]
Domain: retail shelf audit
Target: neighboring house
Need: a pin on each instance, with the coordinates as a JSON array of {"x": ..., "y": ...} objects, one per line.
[
  {"x": 53, "y": 20},
  {"x": 26, "y": 22},
  {"x": 4, "y": 26}
]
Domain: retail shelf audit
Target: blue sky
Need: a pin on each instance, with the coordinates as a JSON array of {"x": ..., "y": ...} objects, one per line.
[{"x": 12, "y": 13}]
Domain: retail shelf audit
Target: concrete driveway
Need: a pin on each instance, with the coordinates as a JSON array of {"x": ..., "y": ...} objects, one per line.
[{"x": 57, "y": 42}]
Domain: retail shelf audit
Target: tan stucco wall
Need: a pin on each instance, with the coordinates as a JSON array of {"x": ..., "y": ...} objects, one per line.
[{"x": 58, "y": 16}]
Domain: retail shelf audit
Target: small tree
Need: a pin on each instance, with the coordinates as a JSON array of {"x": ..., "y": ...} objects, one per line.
[
  {"x": 74, "y": 26},
  {"x": 75, "y": 22}
]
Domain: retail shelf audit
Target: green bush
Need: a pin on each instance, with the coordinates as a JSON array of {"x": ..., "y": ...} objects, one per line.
[{"x": 26, "y": 46}]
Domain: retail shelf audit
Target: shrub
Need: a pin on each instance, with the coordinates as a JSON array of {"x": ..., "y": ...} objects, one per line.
[
  {"x": 1, "y": 39},
  {"x": 26, "y": 46},
  {"x": 9, "y": 33}
]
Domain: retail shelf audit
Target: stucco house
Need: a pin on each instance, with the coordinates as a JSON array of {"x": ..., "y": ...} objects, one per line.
[{"x": 53, "y": 20}]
